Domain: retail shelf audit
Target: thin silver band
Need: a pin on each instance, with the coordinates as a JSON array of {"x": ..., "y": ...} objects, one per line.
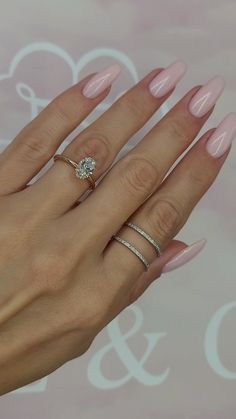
[
  {"x": 134, "y": 250},
  {"x": 146, "y": 236}
]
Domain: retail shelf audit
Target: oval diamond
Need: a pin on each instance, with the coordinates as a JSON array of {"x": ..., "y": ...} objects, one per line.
[{"x": 85, "y": 167}]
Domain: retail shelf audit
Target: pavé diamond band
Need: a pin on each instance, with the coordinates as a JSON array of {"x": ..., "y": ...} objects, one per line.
[
  {"x": 133, "y": 249},
  {"x": 83, "y": 169},
  {"x": 146, "y": 236}
]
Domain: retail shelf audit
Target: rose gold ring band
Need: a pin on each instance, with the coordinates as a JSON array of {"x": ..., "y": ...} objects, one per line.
[{"x": 83, "y": 169}]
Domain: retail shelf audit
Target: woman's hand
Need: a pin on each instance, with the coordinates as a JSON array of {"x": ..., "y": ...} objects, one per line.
[{"x": 62, "y": 276}]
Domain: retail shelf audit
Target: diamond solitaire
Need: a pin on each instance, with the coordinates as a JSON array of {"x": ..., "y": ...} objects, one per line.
[{"x": 85, "y": 167}]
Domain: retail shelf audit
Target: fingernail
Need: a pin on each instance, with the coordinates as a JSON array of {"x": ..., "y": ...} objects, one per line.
[
  {"x": 184, "y": 256},
  {"x": 222, "y": 137},
  {"x": 100, "y": 81},
  {"x": 206, "y": 96},
  {"x": 167, "y": 79}
]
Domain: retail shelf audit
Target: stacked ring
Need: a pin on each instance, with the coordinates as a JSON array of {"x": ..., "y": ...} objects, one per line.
[
  {"x": 133, "y": 248},
  {"x": 83, "y": 170}
]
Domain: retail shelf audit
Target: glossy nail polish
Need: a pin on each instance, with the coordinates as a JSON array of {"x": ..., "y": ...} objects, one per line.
[
  {"x": 167, "y": 79},
  {"x": 184, "y": 256},
  {"x": 206, "y": 96},
  {"x": 100, "y": 81},
  {"x": 222, "y": 137}
]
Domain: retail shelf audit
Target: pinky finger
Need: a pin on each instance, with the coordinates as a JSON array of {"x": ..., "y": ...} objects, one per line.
[{"x": 176, "y": 254}]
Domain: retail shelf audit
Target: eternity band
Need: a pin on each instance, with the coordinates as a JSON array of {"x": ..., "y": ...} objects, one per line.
[
  {"x": 146, "y": 236},
  {"x": 134, "y": 250}
]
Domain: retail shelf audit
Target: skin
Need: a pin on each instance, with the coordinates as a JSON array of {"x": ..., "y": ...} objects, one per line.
[{"x": 62, "y": 278}]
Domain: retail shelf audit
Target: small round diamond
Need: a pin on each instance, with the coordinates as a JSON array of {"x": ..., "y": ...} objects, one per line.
[{"x": 85, "y": 167}]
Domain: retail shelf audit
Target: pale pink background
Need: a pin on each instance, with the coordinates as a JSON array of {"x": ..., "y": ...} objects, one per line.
[{"x": 36, "y": 36}]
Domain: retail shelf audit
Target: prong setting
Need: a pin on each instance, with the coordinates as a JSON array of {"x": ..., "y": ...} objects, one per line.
[{"x": 85, "y": 167}]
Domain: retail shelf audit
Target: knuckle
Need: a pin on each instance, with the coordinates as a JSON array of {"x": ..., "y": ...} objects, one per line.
[
  {"x": 34, "y": 147},
  {"x": 94, "y": 144},
  {"x": 139, "y": 175},
  {"x": 165, "y": 218},
  {"x": 178, "y": 128},
  {"x": 65, "y": 107},
  {"x": 197, "y": 177},
  {"x": 133, "y": 106}
]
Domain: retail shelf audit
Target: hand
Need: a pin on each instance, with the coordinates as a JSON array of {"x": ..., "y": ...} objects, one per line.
[{"x": 63, "y": 277}]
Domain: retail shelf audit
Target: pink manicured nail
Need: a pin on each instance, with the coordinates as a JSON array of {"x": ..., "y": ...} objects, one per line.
[
  {"x": 167, "y": 79},
  {"x": 184, "y": 256},
  {"x": 222, "y": 137},
  {"x": 100, "y": 81},
  {"x": 206, "y": 96}
]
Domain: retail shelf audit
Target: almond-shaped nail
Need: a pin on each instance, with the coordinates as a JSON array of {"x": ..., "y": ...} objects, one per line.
[
  {"x": 167, "y": 79},
  {"x": 222, "y": 137},
  {"x": 184, "y": 256},
  {"x": 100, "y": 81},
  {"x": 206, "y": 96}
]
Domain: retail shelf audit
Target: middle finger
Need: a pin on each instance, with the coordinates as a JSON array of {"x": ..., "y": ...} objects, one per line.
[{"x": 135, "y": 177}]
